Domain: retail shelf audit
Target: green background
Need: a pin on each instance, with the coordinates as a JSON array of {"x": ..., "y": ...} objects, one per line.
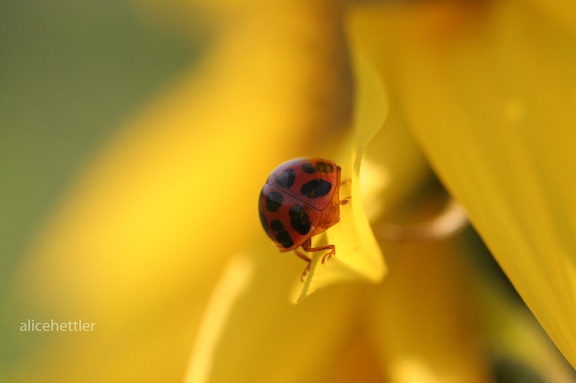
[{"x": 70, "y": 73}]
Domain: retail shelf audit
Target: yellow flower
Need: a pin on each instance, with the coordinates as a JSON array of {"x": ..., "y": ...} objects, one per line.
[{"x": 159, "y": 242}]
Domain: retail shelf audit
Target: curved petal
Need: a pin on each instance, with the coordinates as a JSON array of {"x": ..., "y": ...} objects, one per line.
[
  {"x": 358, "y": 254},
  {"x": 489, "y": 89}
]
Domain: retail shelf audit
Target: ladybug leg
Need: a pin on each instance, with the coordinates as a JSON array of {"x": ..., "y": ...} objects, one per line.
[
  {"x": 329, "y": 254},
  {"x": 307, "y": 247}
]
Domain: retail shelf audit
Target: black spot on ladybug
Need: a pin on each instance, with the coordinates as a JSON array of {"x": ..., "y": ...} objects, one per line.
[
  {"x": 274, "y": 201},
  {"x": 324, "y": 167},
  {"x": 263, "y": 222},
  {"x": 316, "y": 188},
  {"x": 286, "y": 178},
  {"x": 308, "y": 168},
  {"x": 299, "y": 219},
  {"x": 284, "y": 239},
  {"x": 276, "y": 225}
]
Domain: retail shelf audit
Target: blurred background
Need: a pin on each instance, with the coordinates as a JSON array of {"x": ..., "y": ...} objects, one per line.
[{"x": 70, "y": 73}]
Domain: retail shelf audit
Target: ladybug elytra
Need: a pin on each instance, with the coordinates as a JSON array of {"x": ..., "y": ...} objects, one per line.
[{"x": 300, "y": 200}]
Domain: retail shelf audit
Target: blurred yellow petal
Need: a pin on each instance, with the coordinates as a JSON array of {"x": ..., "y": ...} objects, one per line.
[
  {"x": 561, "y": 11},
  {"x": 490, "y": 92},
  {"x": 264, "y": 338},
  {"x": 137, "y": 244},
  {"x": 232, "y": 285},
  {"x": 358, "y": 254},
  {"x": 425, "y": 323}
]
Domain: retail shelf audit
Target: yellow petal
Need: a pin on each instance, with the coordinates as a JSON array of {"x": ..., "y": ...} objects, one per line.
[
  {"x": 251, "y": 333},
  {"x": 358, "y": 254},
  {"x": 490, "y": 92}
]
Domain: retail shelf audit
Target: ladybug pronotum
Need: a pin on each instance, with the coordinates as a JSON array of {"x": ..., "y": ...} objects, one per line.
[{"x": 300, "y": 200}]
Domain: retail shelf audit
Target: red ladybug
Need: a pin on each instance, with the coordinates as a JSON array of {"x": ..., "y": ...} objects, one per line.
[{"x": 300, "y": 200}]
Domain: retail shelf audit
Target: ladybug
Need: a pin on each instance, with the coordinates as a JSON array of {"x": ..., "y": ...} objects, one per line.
[{"x": 300, "y": 200}]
